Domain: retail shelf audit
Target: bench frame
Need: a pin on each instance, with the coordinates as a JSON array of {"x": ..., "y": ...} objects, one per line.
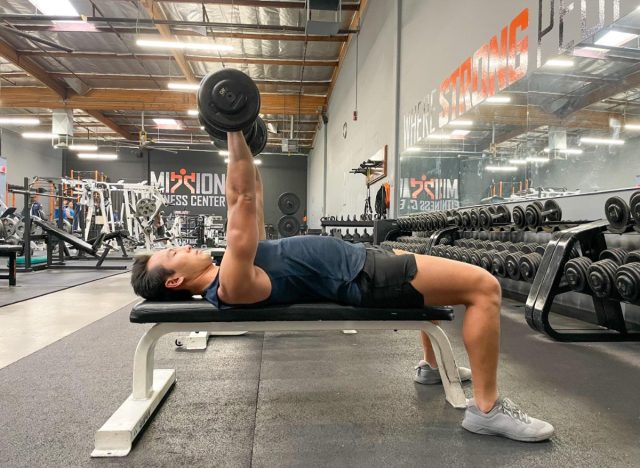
[{"x": 150, "y": 385}]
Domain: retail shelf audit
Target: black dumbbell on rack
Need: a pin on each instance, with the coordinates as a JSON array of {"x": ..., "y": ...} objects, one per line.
[
  {"x": 490, "y": 216},
  {"x": 229, "y": 101}
]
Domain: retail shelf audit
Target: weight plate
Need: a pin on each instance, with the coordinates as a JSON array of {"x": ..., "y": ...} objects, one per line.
[
  {"x": 533, "y": 215},
  {"x": 258, "y": 142},
  {"x": 288, "y": 226},
  {"x": 228, "y": 100},
  {"x": 634, "y": 205},
  {"x": 484, "y": 218},
  {"x": 289, "y": 203},
  {"x": 504, "y": 212},
  {"x": 518, "y": 217}
]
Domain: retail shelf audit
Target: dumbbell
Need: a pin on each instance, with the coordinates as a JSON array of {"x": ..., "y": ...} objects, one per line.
[
  {"x": 474, "y": 257},
  {"x": 628, "y": 281},
  {"x": 465, "y": 255},
  {"x": 466, "y": 220},
  {"x": 503, "y": 246},
  {"x": 347, "y": 237},
  {"x": 536, "y": 215},
  {"x": 529, "y": 264},
  {"x": 486, "y": 259},
  {"x": 634, "y": 206},
  {"x": 512, "y": 264},
  {"x": 617, "y": 255},
  {"x": 229, "y": 101},
  {"x": 456, "y": 254},
  {"x": 498, "y": 266},
  {"x": 493, "y": 215},
  {"x": 601, "y": 277},
  {"x": 519, "y": 218},
  {"x": 576, "y": 271},
  {"x": 633, "y": 256},
  {"x": 366, "y": 237},
  {"x": 474, "y": 216},
  {"x": 618, "y": 214}
]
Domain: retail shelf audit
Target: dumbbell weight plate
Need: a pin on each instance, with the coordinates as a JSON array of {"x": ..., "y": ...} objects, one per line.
[
  {"x": 484, "y": 218},
  {"x": 533, "y": 215},
  {"x": 258, "y": 142},
  {"x": 289, "y": 203},
  {"x": 519, "y": 218},
  {"x": 504, "y": 212},
  {"x": 228, "y": 100},
  {"x": 617, "y": 212},
  {"x": 552, "y": 205},
  {"x": 288, "y": 226},
  {"x": 634, "y": 205}
]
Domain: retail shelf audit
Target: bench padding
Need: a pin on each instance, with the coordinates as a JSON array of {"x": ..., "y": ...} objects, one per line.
[{"x": 199, "y": 310}]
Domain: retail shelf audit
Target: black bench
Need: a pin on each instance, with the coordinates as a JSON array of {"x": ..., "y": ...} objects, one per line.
[
  {"x": 150, "y": 385},
  {"x": 11, "y": 251}
]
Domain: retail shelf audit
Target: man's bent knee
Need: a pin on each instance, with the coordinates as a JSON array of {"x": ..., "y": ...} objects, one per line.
[{"x": 488, "y": 290}]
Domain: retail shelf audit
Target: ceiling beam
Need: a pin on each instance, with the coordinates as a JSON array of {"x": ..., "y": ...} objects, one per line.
[
  {"x": 156, "y": 12},
  {"x": 257, "y": 3},
  {"x": 150, "y": 32},
  {"x": 28, "y": 97},
  {"x": 191, "y": 58}
]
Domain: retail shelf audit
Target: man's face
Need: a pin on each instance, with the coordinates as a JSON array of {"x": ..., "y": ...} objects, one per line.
[{"x": 185, "y": 262}]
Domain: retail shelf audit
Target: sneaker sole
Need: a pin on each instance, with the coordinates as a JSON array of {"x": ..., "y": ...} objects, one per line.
[
  {"x": 427, "y": 382},
  {"x": 476, "y": 429}
]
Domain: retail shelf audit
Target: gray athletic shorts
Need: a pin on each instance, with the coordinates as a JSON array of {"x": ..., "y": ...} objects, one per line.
[{"x": 385, "y": 280}]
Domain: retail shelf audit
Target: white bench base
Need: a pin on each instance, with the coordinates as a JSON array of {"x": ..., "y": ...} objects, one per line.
[{"x": 115, "y": 437}]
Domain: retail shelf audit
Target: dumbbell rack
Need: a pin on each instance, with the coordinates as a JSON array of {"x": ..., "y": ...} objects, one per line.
[
  {"x": 549, "y": 283},
  {"x": 324, "y": 223}
]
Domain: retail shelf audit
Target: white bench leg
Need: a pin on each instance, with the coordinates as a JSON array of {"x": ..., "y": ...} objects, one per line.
[
  {"x": 115, "y": 437},
  {"x": 199, "y": 340},
  {"x": 447, "y": 366}
]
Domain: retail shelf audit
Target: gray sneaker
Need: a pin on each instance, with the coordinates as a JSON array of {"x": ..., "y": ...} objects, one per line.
[
  {"x": 507, "y": 420},
  {"x": 427, "y": 375}
]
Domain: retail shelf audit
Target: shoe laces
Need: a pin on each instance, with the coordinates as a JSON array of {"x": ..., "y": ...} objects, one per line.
[{"x": 510, "y": 408}]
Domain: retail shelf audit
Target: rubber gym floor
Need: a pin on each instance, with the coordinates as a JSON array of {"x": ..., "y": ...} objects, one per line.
[{"x": 312, "y": 399}]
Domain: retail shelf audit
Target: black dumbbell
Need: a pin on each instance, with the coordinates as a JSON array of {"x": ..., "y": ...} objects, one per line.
[
  {"x": 474, "y": 215},
  {"x": 466, "y": 220},
  {"x": 536, "y": 215},
  {"x": 601, "y": 277},
  {"x": 474, "y": 257},
  {"x": 486, "y": 259},
  {"x": 634, "y": 206},
  {"x": 493, "y": 215},
  {"x": 512, "y": 264},
  {"x": 519, "y": 218},
  {"x": 628, "y": 281},
  {"x": 618, "y": 214},
  {"x": 617, "y": 255},
  {"x": 529, "y": 264},
  {"x": 576, "y": 271},
  {"x": 498, "y": 266},
  {"x": 633, "y": 256}
]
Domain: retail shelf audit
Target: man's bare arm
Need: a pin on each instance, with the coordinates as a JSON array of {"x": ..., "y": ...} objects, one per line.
[{"x": 262, "y": 234}]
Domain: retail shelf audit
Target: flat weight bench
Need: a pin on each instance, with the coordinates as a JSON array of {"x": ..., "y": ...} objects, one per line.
[
  {"x": 11, "y": 251},
  {"x": 150, "y": 385}
]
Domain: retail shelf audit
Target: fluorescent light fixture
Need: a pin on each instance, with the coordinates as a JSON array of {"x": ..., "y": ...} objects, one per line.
[
  {"x": 498, "y": 99},
  {"x": 414, "y": 149},
  {"x": 257, "y": 162},
  {"x": 39, "y": 135},
  {"x": 183, "y": 45},
  {"x": 83, "y": 147},
  {"x": 201, "y": 128},
  {"x": 99, "y": 156},
  {"x": 501, "y": 168},
  {"x": 559, "y": 63},
  {"x": 601, "y": 141},
  {"x": 632, "y": 126},
  {"x": 461, "y": 123},
  {"x": 192, "y": 112},
  {"x": 438, "y": 136},
  {"x": 171, "y": 122},
  {"x": 184, "y": 86},
  {"x": 565, "y": 150},
  {"x": 518, "y": 162},
  {"x": 226, "y": 161},
  {"x": 19, "y": 121},
  {"x": 223, "y": 153},
  {"x": 534, "y": 159},
  {"x": 615, "y": 38},
  {"x": 460, "y": 133},
  {"x": 55, "y": 7}
]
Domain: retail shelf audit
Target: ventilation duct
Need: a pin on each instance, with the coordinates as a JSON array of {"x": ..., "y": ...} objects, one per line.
[{"x": 323, "y": 17}]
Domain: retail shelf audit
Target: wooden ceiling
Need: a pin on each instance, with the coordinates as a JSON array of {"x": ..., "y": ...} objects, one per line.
[{"x": 38, "y": 74}]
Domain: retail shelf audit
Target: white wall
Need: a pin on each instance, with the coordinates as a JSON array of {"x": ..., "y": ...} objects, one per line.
[
  {"x": 376, "y": 115},
  {"x": 315, "y": 181}
]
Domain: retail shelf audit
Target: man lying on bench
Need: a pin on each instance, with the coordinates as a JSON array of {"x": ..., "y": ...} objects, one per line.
[{"x": 256, "y": 272}]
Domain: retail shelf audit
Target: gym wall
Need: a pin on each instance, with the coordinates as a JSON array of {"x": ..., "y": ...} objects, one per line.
[{"x": 28, "y": 158}]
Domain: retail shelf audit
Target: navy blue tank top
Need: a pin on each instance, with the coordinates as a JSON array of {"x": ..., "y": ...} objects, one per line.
[{"x": 306, "y": 269}]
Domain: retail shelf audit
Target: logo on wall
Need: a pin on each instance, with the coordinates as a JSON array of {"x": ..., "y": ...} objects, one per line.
[
  {"x": 428, "y": 193},
  {"x": 200, "y": 192}
]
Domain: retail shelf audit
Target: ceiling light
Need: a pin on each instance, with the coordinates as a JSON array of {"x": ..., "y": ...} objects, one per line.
[
  {"x": 165, "y": 121},
  {"x": 501, "y": 168},
  {"x": 518, "y": 162},
  {"x": 226, "y": 161},
  {"x": 202, "y": 128},
  {"x": 565, "y": 150},
  {"x": 192, "y": 112},
  {"x": 83, "y": 147},
  {"x": 183, "y": 45},
  {"x": 535, "y": 159},
  {"x": 601, "y": 141},
  {"x": 39, "y": 135},
  {"x": 223, "y": 153},
  {"x": 438, "y": 136},
  {"x": 615, "y": 38},
  {"x": 19, "y": 121},
  {"x": 498, "y": 99},
  {"x": 560, "y": 63},
  {"x": 100, "y": 156},
  {"x": 414, "y": 149},
  {"x": 257, "y": 162},
  {"x": 55, "y": 7},
  {"x": 184, "y": 86},
  {"x": 461, "y": 123},
  {"x": 632, "y": 126},
  {"x": 460, "y": 133}
]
